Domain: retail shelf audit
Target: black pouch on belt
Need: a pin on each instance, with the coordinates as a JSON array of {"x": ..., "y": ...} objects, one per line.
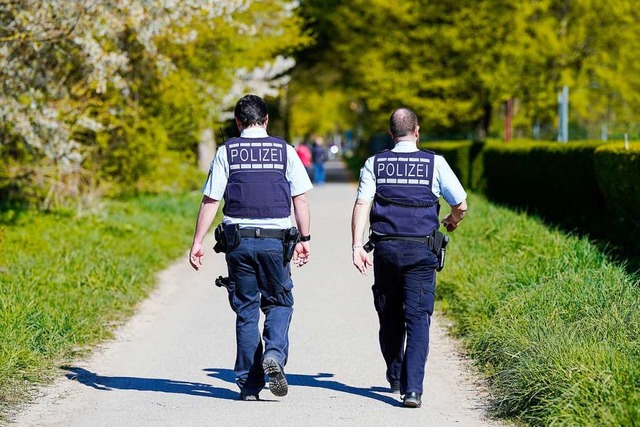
[
  {"x": 221, "y": 239},
  {"x": 227, "y": 237},
  {"x": 232, "y": 235}
]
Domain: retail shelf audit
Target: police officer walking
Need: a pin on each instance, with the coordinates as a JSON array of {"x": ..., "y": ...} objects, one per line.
[
  {"x": 404, "y": 184},
  {"x": 258, "y": 176}
]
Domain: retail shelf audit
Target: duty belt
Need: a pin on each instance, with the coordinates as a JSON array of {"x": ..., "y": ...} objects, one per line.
[
  {"x": 437, "y": 243},
  {"x": 263, "y": 233},
  {"x": 429, "y": 240}
]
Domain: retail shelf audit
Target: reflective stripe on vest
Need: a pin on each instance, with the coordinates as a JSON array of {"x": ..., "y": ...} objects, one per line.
[
  {"x": 404, "y": 204},
  {"x": 257, "y": 187}
]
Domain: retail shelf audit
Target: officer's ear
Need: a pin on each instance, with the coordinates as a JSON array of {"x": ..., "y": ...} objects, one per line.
[
  {"x": 239, "y": 125},
  {"x": 417, "y": 133},
  {"x": 266, "y": 121}
]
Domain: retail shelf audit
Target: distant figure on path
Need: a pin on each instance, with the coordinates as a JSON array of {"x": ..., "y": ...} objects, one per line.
[
  {"x": 305, "y": 156},
  {"x": 404, "y": 185},
  {"x": 259, "y": 176},
  {"x": 319, "y": 156}
]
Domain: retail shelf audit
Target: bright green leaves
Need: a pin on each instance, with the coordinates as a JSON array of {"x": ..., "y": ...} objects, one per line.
[{"x": 456, "y": 62}]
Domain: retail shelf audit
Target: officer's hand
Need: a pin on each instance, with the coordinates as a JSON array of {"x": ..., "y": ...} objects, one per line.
[
  {"x": 301, "y": 253},
  {"x": 449, "y": 223},
  {"x": 195, "y": 255},
  {"x": 360, "y": 259}
]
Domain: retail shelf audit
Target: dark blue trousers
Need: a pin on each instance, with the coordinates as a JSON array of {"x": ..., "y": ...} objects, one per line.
[
  {"x": 404, "y": 296},
  {"x": 258, "y": 280}
]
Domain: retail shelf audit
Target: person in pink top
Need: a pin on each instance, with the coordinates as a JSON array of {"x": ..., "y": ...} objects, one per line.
[{"x": 305, "y": 156}]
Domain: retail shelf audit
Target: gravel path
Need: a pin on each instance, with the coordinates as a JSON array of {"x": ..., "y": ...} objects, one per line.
[{"x": 172, "y": 364}]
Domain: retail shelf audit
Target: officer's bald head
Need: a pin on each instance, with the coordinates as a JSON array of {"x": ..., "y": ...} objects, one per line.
[{"x": 403, "y": 122}]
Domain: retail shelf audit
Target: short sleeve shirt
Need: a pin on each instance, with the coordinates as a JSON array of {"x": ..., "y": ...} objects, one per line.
[
  {"x": 445, "y": 183},
  {"x": 216, "y": 183}
]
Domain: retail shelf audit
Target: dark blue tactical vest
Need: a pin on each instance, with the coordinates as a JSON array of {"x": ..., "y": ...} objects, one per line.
[
  {"x": 404, "y": 204},
  {"x": 257, "y": 186}
]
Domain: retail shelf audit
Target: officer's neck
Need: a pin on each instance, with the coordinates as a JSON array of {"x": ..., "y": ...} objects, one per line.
[
  {"x": 254, "y": 132},
  {"x": 406, "y": 141},
  {"x": 242, "y": 128}
]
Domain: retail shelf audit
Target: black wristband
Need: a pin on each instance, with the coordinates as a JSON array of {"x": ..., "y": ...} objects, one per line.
[{"x": 305, "y": 238}]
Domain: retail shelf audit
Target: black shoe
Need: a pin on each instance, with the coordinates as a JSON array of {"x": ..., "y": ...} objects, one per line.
[
  {"x": 395, "y": 386},
  {"x": 277, "y": 381},
  {"x": 249, "y": 397},
  {"x": 412, "y": 400}
]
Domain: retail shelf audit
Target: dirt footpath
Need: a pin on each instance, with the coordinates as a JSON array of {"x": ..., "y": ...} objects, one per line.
[{"x": 172, "y": 364}]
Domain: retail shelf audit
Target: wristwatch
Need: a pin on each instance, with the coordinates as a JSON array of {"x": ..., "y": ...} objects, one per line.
[{"x": 305, "y": 238}]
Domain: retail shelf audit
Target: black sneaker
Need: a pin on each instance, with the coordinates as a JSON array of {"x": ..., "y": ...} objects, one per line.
[
  {"x": 249, "y": 397},
  {"x": 394, "y": 386},
  {"x": 277, "y": 381},
  {"x": 412, "y": 400}
]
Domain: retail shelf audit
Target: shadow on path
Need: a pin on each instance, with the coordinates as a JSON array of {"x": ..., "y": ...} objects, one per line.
[
  {"x": 162, "y": 385},
  {"x": 318, "y": 380}
]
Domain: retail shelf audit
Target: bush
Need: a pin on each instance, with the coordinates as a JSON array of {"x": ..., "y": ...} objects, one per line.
[
  {"x": 618, "y": 172},
  {"x": 556, "y": 181}
]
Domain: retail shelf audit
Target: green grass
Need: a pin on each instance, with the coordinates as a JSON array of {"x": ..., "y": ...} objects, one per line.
[
  {"x": 552, "y": 321},
  {"x": 66, "y": 281}
]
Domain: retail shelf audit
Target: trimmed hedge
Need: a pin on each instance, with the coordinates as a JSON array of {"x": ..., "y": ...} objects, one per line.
[
  {"x": 618, "y": 173},
  {"x": 556, "y": 181}
]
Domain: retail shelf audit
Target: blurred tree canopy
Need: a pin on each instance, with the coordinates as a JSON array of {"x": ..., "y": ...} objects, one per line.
[
  {"x": 456, "y": 62},
  {"x": 110, "y": 97}
]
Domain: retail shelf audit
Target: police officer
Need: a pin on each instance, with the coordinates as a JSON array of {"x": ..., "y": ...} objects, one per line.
[
  {"x": 404, "y": 184},
  {"x": 259, "y": 176}
]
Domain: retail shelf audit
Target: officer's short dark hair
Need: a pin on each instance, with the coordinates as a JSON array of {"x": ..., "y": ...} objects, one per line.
[
  {"x": 251, "y": 110},
  {"x": 403, "y": 122}
]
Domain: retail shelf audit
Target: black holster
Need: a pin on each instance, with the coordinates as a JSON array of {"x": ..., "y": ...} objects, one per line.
[
  {"x": 227, "y": 238},
  {"x": 291, "y": 239},
  {"x": 440, "y": 241}
]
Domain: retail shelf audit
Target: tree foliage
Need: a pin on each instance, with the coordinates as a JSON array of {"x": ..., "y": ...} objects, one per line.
[
  {"x": 107, "y": 91},
  {"x": 457, "y": 62}
]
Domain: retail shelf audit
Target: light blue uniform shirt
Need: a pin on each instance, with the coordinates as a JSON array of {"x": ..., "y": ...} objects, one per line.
[
  {"x": 445, "y": 183},
  {"x": 296, "y": 175}
]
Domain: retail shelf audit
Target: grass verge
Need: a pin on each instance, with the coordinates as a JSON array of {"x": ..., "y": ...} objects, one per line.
[
  {"x": 552, "y": 321},
  {"x": 67, "y": 281}
]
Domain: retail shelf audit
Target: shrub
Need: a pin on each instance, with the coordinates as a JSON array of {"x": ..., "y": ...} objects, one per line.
[
  {"x": 557, "y": 181},
  {"x": 618, "y": 172}
]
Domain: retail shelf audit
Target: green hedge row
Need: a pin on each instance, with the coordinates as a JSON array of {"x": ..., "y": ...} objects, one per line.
[
  {"x": 618, "y": 173},
  {"x": 557, "y": 181},
  {"x": 574, "y": 184}
]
